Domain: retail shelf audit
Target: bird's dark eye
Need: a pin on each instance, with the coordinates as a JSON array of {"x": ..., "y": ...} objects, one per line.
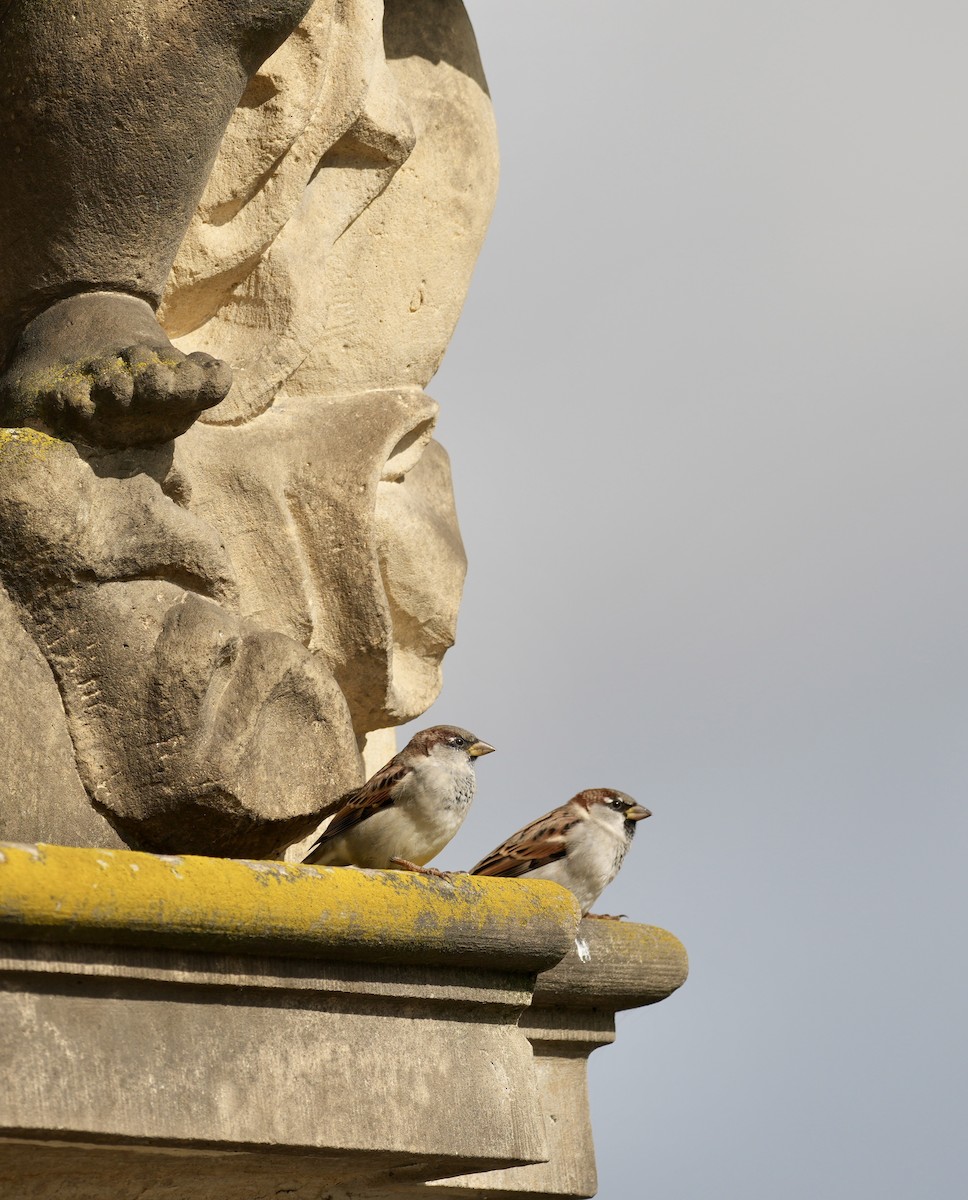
[
  {"x": 458, "y": 741},
  {"x": 618, "y": 805}
]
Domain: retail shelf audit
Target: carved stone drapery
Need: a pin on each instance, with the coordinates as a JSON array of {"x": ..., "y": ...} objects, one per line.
[{"x": 204, "y": 628}]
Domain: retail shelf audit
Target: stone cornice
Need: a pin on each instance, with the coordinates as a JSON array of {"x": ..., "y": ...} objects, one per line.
[
  {"x": 229, "y": 1030},
  {"x": 122, "y": 897},
  {"x": 622, "y": 965}
]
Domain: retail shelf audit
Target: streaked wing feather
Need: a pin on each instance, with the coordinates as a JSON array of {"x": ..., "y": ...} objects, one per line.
[
  {"x": 356, "y": 806},
  {"x": 538, "y": 844}
]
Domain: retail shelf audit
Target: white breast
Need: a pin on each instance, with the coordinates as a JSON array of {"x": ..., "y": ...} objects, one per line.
[
  {"x": 596, "y": 848},
  {"x": 427, "y": 812}
]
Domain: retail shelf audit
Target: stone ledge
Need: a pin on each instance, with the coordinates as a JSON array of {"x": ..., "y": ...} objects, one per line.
[
  {"x": 71, "y": 894},
  {"x": 236, "y": 1030},
  {"x": 625, "y": 966}
]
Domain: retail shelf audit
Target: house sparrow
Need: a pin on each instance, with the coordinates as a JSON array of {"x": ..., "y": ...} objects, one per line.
[
  {"x": 579, "y": 845},
  {"x": 409, "y": 810}
]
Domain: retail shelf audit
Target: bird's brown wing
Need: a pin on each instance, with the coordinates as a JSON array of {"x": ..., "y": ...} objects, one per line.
[
  {"x": 536, "y": 845},
  {"x": 356, "y": 806}
]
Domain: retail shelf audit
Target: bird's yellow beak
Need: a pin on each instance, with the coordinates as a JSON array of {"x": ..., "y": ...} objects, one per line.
[
  {"x": 479, "y": 748},
  {"x": 637, "y": 813}
]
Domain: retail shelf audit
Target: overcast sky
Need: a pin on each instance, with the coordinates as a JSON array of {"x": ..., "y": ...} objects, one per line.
[{"x": 706, "y": 408}]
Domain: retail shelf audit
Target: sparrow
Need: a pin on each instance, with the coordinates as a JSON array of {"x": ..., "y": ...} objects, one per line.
[
  {"x": 409, "y": 810},
  {"x": 580, "y": 845}
]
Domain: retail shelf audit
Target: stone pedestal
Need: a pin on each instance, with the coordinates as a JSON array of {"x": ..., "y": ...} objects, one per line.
[{"x": 189, "y": 1027}]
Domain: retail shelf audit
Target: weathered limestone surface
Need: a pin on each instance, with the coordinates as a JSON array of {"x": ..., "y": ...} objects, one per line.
[
  {"x": 39, "y": 776},
  {"x": 221, "y": 592},
  {"x": 99, "y": 192},
  {"x": 572, "y": 1013},
  {"x": 194, "y": 1028}
]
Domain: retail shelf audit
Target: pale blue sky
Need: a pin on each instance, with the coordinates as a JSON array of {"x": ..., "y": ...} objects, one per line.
[{"x": 706, "y": 408}]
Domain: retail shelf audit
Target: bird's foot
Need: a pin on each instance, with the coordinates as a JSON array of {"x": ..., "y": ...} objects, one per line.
[
  {"x": 404, "y": 864},
  {"x": 606, "y": 916}
]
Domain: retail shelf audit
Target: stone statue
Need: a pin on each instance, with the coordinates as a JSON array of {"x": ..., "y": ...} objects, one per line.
[{"x": 235, "y": 236}]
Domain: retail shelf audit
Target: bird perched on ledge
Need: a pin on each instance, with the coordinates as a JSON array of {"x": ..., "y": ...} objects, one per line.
[
  {"x": 580, "y": 845},
  {"x": 409, "y": 810}
]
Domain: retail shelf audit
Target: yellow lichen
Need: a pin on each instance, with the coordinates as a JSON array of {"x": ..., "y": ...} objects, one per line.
[
  {"x": 28, "y": 443},
  {"x": 77, "y": 892}
]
